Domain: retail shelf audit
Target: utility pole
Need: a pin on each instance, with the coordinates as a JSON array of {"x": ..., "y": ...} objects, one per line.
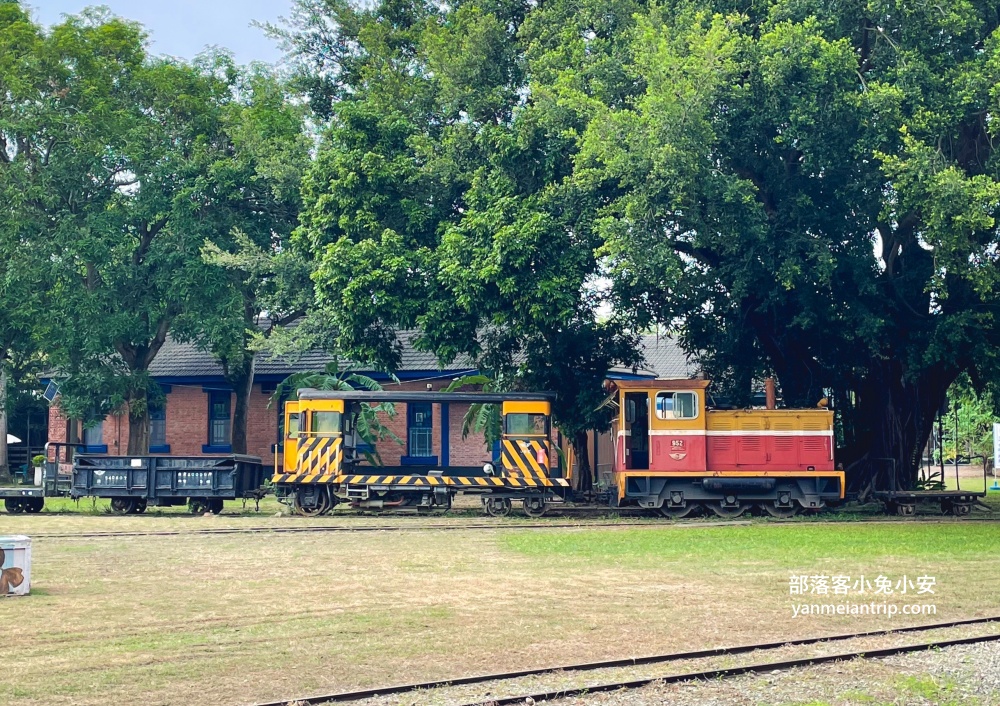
[
  {"x": 957, "y": 405},
  {"x": 4, "y": 465},
  {"x": 940, "y": 443}
]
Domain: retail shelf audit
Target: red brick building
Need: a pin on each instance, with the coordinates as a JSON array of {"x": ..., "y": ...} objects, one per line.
[{"x": 196, "y": 417}]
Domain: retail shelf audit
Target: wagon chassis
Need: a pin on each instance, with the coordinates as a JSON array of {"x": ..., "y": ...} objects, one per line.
[
  {"x": 904, "y": 502},
  {"x": 423, "y": 492}
]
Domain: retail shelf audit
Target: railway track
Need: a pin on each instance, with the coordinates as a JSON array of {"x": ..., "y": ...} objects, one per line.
[
  {"x": 719, "y": 673},
  {"x": 476, "y": 525},
  {"x": 374, "y": 528}
]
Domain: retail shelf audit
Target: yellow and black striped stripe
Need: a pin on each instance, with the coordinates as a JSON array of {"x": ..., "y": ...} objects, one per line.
[
  {"x": 304, "y": 478},
  {"x": 520, "y": 457},
  {"x": 457, "y": 482},
  {"x": 320, "y": 455}
]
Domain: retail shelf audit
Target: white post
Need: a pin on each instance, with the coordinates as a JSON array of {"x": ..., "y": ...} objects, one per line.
[
  {"x": 996, "y": 447},
  {"x": 3, "y": 419}
]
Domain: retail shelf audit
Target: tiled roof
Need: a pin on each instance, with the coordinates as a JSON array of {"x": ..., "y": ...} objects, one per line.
[
  {"x": 663, "y": 358},
  {"x": 177, "y": 359}
]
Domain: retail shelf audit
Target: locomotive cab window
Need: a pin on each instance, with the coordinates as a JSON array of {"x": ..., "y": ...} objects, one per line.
[
  {"x": 325, "y": 423},
  {"x": 676, "y": 405},
  {"x": 524, "y": 424},
  {"x": 293, "y": 425}
]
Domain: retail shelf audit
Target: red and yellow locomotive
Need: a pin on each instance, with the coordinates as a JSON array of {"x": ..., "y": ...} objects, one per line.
[{"x": 675, "y": 454}]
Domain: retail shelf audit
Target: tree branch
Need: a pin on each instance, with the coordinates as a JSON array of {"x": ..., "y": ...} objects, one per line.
[
  {"x": 162, "y": 328},
  {"x": 763, "y": 194},
  {"x": 149, "y": 231},
  {"x": 704, "y": 255}
]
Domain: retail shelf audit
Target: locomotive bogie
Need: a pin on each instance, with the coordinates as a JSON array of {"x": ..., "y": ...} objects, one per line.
[{"x": 726, "y": 496}]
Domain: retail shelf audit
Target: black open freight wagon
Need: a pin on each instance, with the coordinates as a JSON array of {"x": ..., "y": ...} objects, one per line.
[{"x": 132, "y": 483}]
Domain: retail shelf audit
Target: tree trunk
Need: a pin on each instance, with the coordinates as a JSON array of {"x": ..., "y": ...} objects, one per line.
[
  {"x": 138, "y": 424},
  {"x": 894, "y": 418},
  {"x": 242, "y": 381},
  {"x": 585, "y": 478}
]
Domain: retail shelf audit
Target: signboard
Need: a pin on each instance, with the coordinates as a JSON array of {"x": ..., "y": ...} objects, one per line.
[
  {"x": 15, "y": 565},
  {"x": 996, "y": 446}
]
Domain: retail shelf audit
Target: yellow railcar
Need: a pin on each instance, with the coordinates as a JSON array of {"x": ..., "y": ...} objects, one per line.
[{"x": 325, "y": 461}]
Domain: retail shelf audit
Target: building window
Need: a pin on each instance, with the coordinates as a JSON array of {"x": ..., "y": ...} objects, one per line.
[
  {"x": 419, "y": 429},
  {"x": 220, "y": 424},
  {"x": 93, "y": 438},
  {"x": 158, "y": 429},
  {"x": 94, "y": 435}
]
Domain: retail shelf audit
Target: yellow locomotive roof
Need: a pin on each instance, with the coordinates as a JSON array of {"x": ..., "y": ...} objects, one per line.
[{"x": 662, "y": 384}]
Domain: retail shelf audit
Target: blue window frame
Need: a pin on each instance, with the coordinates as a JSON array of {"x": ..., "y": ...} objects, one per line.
[
  {"x": 419, "y": 433},
  {"x": 158, "y": 429},
  {"x": 220, "y": 422},
  {"x": 93, "y": 439}
]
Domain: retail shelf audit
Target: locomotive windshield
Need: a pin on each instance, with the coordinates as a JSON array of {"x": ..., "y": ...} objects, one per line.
[
  {"x": 521, "y": 424},
  {"x": 676, "y": 405},
  {"x": 325, "y": 423}
]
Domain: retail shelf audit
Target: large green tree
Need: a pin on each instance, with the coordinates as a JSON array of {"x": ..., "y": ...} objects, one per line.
[
  {"x": 119, "y": 166},
  {"x": 803, "y": 189},
  {"x": 252, "y": 186},
  {"x": 812, "y": 190},
  {"x": 440, "y": 197}
]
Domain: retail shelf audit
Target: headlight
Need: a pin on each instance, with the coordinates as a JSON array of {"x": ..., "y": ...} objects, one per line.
[{"x": 488, "y": 469}]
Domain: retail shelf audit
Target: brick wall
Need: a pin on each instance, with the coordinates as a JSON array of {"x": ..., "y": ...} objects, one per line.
[
  {"x": 57, "y": 424},
  {"x": 471, "y": 451},
  {"x": 186, "y": 420},
  {"x": 114, "y": 433},
  {"x": 262, "y": 425}
]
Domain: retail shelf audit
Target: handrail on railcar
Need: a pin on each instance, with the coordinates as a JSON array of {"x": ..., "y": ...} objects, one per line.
[{"x": 310, "y": 393}]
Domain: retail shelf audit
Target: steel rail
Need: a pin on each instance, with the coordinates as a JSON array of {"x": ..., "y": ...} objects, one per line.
[
  {"x": 379, "y": 528},
  {"x": 729, "y": 672},
  {"x": 652, "y": 659},
  {"x": 650, "y": 524}
]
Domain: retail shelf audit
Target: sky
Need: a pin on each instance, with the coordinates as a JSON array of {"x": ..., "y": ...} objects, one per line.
[{"x": 183, "y": 28}]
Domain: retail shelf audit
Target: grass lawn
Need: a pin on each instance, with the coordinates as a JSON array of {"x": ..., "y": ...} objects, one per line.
[{"x": 242, "y": 618}]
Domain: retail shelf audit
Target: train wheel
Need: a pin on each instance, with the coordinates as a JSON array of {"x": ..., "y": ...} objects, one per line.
[
  {"x": 497, "y": 507},
  {"x": 215, "y": 505},
  {"x": 15, "y": 506},
  {"x": 534, "y": 507},
  {"x": 34, "y": 505},
  {"x": 122, "y": 506},
  {"x": 779, "y": 511},
  {"x": 321, "y": 507},
  {"x": 729, "y": 511},
  {"x": 961, "y": 509},
  {"x": 677, "y": 513},
  {"x": 139, "y": 507}
]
